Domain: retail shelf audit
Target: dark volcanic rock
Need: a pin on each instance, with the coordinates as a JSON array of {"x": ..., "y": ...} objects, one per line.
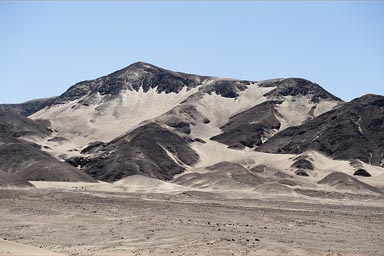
[
  {"x": 301, "y": 172},
  {"x": 136, "y": 76},
  {"x": 263, "y": 113},
  {"x": 353, "y": 131},
  {"x": 242, "y": 136},
  {"x": 226, "y": 88},
  {"x": 227, "y": 167},
  {"x": 57, "y": 139},
  {"x": 362, "y": 172},
  {"x": 78, "y": 161},
  {"x": 25, "y": 161},
  {"x": 247, "y": 128},
  {"x": 143, "y": 151},
  {"x": 27, "y": 108},
  {"x": 297, "y": 86},
  {"x": 183, "y": 127},
  {"x": 16, "y": 125},
  {"x": 302, "y": 164},
  {"x": 182, "y": 117},
  {"x": 200, "y": 140},
  {"x": 93, "y": 147}
]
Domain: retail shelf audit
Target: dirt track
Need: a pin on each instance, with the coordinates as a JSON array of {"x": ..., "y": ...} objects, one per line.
[{"x": 96, "y": 223}]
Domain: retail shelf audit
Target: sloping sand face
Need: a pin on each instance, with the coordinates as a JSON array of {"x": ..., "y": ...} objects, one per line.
[
  {"x": 16, "y": 249},
  {"x": 100, "y": 223}
]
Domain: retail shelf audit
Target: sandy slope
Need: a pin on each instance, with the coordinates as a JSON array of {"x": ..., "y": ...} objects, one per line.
[
  {"x": 294, "y": 110},
  {"x": 219, "y": 109},
  {"x": 105, "y": 119},
  {"x": 16, "y": 249}
]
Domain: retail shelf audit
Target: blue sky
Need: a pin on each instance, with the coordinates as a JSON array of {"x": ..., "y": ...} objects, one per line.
[{"x": 45, "y": 47}]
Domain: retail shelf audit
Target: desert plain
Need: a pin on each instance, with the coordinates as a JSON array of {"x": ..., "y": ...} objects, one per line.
[{"x": 81, "y": 221}]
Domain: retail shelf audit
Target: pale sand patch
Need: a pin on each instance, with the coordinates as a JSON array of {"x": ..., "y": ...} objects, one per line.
[
  {"x": 104, "y": 120},
  {"x": 16, "y": 249}
]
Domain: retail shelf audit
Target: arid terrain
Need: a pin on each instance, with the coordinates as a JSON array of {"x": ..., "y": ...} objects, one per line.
[
  {"x": 150, "y": 161},
  {"x": 80, "y": 222}
]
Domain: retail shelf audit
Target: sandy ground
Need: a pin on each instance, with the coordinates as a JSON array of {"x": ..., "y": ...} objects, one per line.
[
  {"x": 186, "y": 223},
  {"x": 12, "y": 248}
]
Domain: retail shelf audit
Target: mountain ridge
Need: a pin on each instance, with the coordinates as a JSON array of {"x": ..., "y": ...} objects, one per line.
[{"x": 146, "y": 120}]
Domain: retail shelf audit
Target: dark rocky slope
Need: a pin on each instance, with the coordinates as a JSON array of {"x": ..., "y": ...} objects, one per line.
[
  {"x": 226, "y": 88},
  {"x": 21, "y": 161},
  {"x": 149, "y": 150},
  {"x": 353, "y": 131},
  {"x": 16, "y": 125},
  {"x": 297, "y": 86},
  {"x": 8, "y": 180},
  {"x": 26, "y": 162},
  {"x": 248, "y": 128},
  {"x": 27, "y": 108}
]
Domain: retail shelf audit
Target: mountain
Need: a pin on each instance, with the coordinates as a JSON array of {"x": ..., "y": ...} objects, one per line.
[
  {"x": 107, "y": 107},
  {"x": 188, "y": 108},
  {"x": 272, "y": 136},
  {"x": 352, "y": 131}
]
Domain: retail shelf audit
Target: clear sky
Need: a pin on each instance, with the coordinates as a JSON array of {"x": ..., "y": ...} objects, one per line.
[{"x": 45, "y": 47}]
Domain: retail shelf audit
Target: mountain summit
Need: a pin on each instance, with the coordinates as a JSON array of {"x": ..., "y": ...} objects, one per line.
[{"x": 138, "y": 76}]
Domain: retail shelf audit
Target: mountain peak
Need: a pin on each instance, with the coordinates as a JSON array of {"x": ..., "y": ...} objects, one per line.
[
  {"x": 142, "y": 64},
  {"x": 139, "y": 75},
  {"x": 297, "y": 86},
  {"x": 372, "y": 99},
  {"x": 134, "y": 68}
]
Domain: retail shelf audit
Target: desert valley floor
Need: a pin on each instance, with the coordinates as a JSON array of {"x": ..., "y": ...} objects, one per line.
[{"x": 81, "y": 222}]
